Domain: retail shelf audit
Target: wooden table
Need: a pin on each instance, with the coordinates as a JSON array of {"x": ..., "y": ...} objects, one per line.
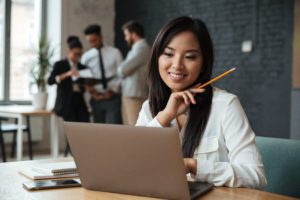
[
  {"x": 20, "y": 112},
  {"x": 11, "y": 188}
]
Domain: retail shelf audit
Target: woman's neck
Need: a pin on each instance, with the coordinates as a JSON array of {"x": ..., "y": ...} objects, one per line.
[{"x": 73, "y": 62}]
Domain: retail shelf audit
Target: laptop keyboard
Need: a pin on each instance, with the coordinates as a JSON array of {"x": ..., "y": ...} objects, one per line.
[{"x": 198, "y": 188}]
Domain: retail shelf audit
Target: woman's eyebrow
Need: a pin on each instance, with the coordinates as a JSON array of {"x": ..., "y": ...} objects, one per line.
[
  {"x": 193, "y": 51},
  {"x": 187, "y": 51},
  {"x": 168, "y": 47}
]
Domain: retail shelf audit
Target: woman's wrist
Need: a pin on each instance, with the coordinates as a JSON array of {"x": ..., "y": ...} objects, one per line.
[
  {"x": 191, "y": 165},
  {"x": 164, "y": 119}
]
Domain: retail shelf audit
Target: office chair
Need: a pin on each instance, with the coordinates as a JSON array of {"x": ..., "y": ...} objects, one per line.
[
  {"x": 13, "y": 128},
  {"x": 282, "y": 164}
]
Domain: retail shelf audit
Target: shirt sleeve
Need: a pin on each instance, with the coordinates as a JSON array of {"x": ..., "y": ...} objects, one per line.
[
  {"x": 83, "y": 59},
  {"x": 54, "y": 74},
  {"x": 116, "y": 82},
  {"x": 119, "y": 57},
  {"x": 245, "y": 167}
]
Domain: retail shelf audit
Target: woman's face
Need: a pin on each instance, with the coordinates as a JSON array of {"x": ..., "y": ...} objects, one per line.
[
  {"x": 74, "y": 54},
  {"x": 181, "y": 62}
]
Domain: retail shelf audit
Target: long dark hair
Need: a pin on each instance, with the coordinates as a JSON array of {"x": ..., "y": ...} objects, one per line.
[{"x": 159, "y": 92}]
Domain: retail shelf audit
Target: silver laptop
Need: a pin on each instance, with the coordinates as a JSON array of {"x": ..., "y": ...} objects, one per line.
[{"x": 144, "y": 161}]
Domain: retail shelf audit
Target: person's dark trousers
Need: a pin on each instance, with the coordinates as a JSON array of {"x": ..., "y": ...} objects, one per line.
[
  {"x": 107, "y": 111},
  {"x": 78, "y": 113}
]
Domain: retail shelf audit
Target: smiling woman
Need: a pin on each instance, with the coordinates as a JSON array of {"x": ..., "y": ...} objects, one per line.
[{"x": 217, "y": 141}]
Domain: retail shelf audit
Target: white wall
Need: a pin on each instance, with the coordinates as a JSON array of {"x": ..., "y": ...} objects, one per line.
[{"x": 78, "y": 14}]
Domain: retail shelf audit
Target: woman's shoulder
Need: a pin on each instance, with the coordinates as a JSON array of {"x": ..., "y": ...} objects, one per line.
[
  {"x": 145, "y": 115},
  {"x": 146, "y": 110},
  {"x": 146, "y": 106},
  {"x": 61, "y": 62},
  {"x": 222, "y": 96}
]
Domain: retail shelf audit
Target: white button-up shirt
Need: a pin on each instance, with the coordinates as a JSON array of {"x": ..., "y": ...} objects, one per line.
[
  {"x": 227, "y": 154},
  {"x": 112, "y": 58}
]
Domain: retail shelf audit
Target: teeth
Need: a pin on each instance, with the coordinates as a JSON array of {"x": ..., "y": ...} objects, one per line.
[{"x": 176, "y": 75}]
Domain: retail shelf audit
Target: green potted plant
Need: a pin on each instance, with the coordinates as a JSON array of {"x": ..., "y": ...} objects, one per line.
[{"x": 39, "y": 69}]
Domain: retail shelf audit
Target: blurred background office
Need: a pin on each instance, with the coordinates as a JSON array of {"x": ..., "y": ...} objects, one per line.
[{"x": 259, "y": 37}]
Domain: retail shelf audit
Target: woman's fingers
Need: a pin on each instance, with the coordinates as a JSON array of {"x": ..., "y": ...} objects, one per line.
[
  {"x": 188, "y": 95},
  {"x": 191, "y": 96},
  {"x": 185, "y": 97},
  {"x": 195, "y": 90},
  {"x": 182, "y": 95}
]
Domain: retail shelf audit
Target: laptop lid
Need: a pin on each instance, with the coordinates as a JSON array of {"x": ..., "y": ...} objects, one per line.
[{"x": 143, "y": 161}]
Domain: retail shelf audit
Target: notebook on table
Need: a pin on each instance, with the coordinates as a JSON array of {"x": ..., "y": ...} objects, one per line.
[
  {"x": 38, "y": 171},
  {"x": 58, "y": 168},
  {"x": 144, "y": 161}
]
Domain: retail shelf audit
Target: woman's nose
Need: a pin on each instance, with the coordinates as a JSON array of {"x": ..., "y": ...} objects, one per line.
[{"x": 177, "y": 62}]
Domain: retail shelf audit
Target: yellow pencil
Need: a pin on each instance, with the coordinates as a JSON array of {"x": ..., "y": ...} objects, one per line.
[{"x": 216, "y": 78}]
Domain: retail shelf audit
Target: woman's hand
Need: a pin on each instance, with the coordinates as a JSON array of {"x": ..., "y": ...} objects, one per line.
[
  {"x": 102, "y": 95},
  {"x": 178, "y": 104},
  {"x": 73, "y": 73},
  {"x": 68, "y": 74},
  {"x": 190, "y": 165}
]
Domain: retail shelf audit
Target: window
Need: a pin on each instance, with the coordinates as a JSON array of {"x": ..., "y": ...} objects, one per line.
[
  {"x": 24, "y": 24},
  {"x": 23, "y": 32}
]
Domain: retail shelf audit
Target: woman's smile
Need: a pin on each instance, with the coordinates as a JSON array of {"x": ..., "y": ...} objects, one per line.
[{"x": 176, "y": 76}]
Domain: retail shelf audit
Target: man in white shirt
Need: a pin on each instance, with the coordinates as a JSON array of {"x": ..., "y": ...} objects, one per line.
[
  {"x": 103, "y": 62},
  {"x": 133, "y": 72}
]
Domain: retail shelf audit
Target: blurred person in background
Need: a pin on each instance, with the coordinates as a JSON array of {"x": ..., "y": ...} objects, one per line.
[
  {"x": 103, "y": 61},
  {"x": 133, "y": 72},
  {"x": 69, "y": 104}
]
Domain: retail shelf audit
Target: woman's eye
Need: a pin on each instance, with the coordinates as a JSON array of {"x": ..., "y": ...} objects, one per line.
[
  {"x": 191, "y": 57},
  {"x": 167, "y": 54}
]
